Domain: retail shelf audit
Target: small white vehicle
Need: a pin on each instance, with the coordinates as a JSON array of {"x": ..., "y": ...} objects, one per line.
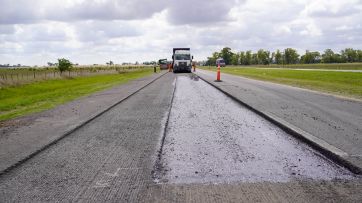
[{"x": 221, "y": 62}]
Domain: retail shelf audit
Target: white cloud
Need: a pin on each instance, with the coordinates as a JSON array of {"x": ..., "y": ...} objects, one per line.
[
  {"x": 95, "y": 31},
  {"x": 200, "y": 12},
  {"x": 332, "y": 8}
]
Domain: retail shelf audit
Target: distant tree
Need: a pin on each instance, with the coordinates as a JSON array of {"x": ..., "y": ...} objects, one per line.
[
  {"x": 339, "y": 58},
  {"x": 350, "y": 55},
  {"x": 278, "y": 57},
  {"x": 226, "y": 54},
  {"x": 248, "y": 57},
  {"x": 291, "y": 56},
  {"x": 254, "y": 59},
  {"x": 359, "y": 53},
  {"x": 263, "y": 57},
  {"x": 310, "y": 57},
  {"x": 64, "y": 65},
  {"x": 212, "y": 60},
  {"x": 242, "y": 58},
  {"x": 328, "y": 56},
  {"x": 235, "y": 59}
]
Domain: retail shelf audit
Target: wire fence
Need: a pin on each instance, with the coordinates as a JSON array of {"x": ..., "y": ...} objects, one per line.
[{"x": 17, "y": 76}]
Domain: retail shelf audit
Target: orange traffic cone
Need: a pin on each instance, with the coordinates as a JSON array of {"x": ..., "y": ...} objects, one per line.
[{"x": 218, "y": 74}]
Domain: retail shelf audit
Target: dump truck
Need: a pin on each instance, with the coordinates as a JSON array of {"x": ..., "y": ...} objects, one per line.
[{"x": 182, "y": 60}]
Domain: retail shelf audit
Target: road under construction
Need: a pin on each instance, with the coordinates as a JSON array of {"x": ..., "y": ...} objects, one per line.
[{"x": 180, "y": 139}]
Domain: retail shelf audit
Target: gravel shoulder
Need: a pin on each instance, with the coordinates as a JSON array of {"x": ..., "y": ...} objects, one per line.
[
  {"x": 333, "y": 122},
  {"x": 21, "y": 137}
]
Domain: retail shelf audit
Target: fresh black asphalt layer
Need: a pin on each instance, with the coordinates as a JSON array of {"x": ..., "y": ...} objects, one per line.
[
  {"x": 212, "y": 139},
  {"x": 333, "y": 124}
]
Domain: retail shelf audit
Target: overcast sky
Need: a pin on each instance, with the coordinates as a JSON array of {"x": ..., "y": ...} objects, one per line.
[{"x": 34, "y": 32}]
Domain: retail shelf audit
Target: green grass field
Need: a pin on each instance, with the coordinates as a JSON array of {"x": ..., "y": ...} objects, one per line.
[
  {"x": 26, "y": 75},
  {"x": 35, "y": 97},
  {"x": 337, "y": 66},
  {"x": 340, "y": 83}
]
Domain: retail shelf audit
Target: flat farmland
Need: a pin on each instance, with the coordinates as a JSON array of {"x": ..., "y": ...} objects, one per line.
[
  {"x": 344, "y": 83},
  {"x": 44, "y": 94},
  {"x": 26, "y": 75}
]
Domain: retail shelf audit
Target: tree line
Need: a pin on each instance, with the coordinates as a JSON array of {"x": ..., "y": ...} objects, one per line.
[{"x": 286, "y": 56}]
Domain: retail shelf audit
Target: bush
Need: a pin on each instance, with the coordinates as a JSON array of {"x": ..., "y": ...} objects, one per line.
[{"x": 64, "y": 65}]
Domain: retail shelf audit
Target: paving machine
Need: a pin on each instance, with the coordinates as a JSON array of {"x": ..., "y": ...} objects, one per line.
[{"x": 163, "y": 64}]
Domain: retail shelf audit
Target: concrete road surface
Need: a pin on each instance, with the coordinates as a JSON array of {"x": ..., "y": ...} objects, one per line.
[{"x": 233, "y": 156}]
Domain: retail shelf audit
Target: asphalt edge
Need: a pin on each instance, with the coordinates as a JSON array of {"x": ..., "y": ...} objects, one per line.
[
  {"x": 158, "y": 166},
  {"x": 31, "y": 155},
  {"x": 334, "y": 154}
]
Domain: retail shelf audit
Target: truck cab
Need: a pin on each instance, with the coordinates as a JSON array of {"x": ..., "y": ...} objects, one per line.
[{"x": 182, "y": 60}]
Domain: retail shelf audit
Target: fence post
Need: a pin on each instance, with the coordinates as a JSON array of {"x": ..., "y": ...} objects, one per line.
[{"x": 34, "y": 73}]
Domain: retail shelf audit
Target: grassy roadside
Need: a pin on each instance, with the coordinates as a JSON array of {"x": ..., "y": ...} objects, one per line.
[
  {"x": 340, "y": 83},
  {"x": 333, "y": 66},
  {"x": 39, "y": 96}
]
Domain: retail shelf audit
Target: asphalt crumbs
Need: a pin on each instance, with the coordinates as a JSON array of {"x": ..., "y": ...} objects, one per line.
[{"x": 212, "y": 139}]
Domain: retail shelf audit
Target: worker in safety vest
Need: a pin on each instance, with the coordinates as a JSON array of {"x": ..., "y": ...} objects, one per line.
[{"x": 169, "y": 67}]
